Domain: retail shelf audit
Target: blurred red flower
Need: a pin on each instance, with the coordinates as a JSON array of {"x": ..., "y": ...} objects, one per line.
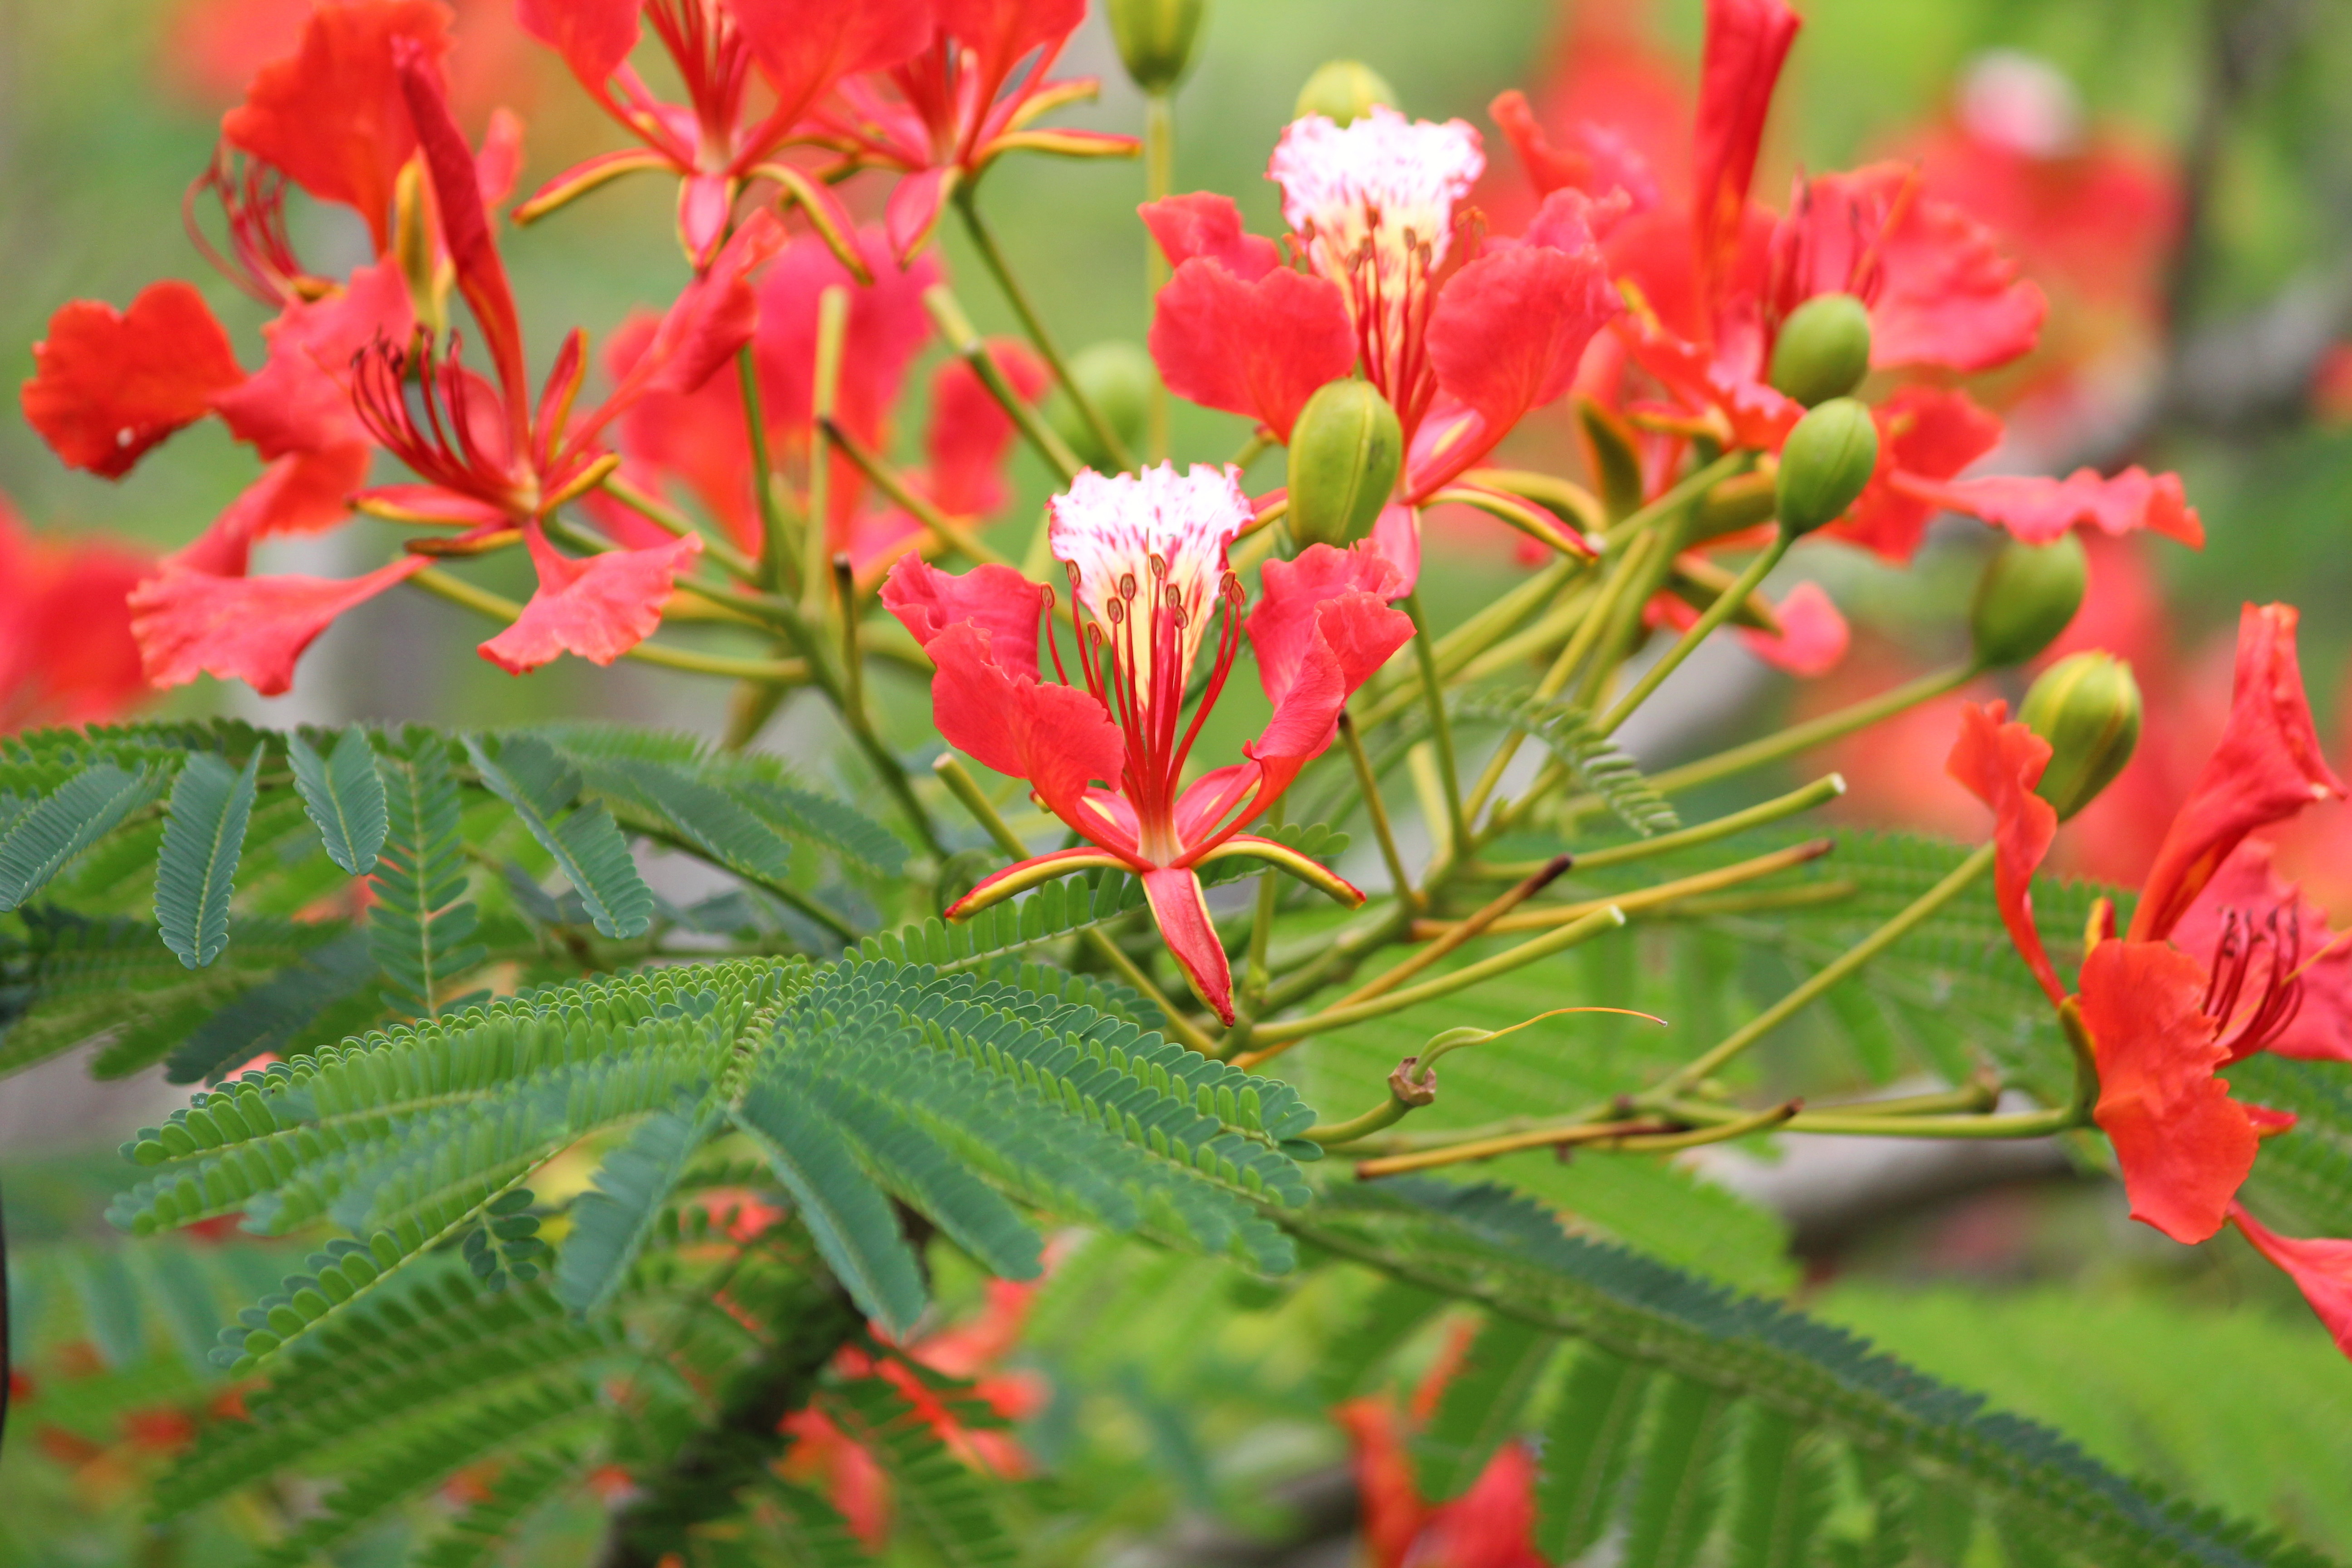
[{"x": 66, "y": 652}]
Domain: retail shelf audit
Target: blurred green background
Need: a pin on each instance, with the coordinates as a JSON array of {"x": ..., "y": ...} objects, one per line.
[{"x": 2188, "y": 1366}]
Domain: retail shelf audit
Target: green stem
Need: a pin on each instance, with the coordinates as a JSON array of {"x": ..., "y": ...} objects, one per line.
[
  {"x": 956, "y": 328},
  {"x": 1375, "y": 808},
  {"x": 671, "y": 520},
  {"x": 1255, "y": 976},
  {"x": 1828, "y": 975},
  {"x": 831, "y": 330},
  {"x": 458, "y": 591},
  {"x": 1432, "y": 690},
  {"x": 1714, "y": 616},
  {"x": 1819, "y": 792},
  {"x": 775, "y": 551},
  {"x": 945, "y": 529},
  {"x": 1812, "y": 733},
  {"x": 983, "y": 240},
  {"x": 1378, "y": 1119},
  {"x": 1857, "y": 1124}
]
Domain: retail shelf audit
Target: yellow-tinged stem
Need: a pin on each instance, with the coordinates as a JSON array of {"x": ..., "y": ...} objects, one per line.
[
  {"x": 1642, "y": 899},
  {"x": 1460, "y": 931},
  {"x": 1377, "y": 809},
  {"x": 943, "y": 528}
]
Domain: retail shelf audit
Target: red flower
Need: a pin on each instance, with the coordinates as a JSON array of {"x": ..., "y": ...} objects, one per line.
[
  {"x": 107, "y": 385},
  {"x": 65, "y": 653},
  {"x": 1147, "y": 562},
  {"x": 941, "y": 116},
  {"x": 1489, "y": 1526},
  {"x": 713, "y": 143},
  {"x": 2178, "y": 998},
  {"x": 1460, "y": 335}
]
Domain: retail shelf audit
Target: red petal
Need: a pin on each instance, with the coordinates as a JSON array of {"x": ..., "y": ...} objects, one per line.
[
  {"x": 107, "y": 385},
  {"x": 302, "y": 492},
  {"x": 1924, "y": 434},
  {"x": 1256, "y": 348},
  {"x": 333, "y": 117},
  {"x": 1396, "y": 539},
  {"x": 1393, "y": 1511},
  {"x": 465, "y": 223},
  {"x": 803, "y": 46},
  {"x": 1283, "y": 626},
  {"x": 301, "y": 400},
  {"x": 1509, "y": 329},
  {"x": 66, "y": 651},
  {"x": 2321, "y": 1268},
  {"x": 592, "y": 36},
  {"x": 1354, "y": 633},
  {"x": 2267, "y": 768},
  {"x": 997, "y": 600},
  {"x": 1182, "y": 913},
  {"x": 695, "y": 437},
  {"x": 1813, "y": 635},
  {"x": 1057, "y": 737},
  {"x": 243, "y": 628},
  {"x": 1209, "y": 225},
  {"x": 1001, "y": 31},
  {"x": 1745, "y": 42},
  {"x": 1999, "y": 764},
  {"x": 599, "y": 608},
  {"x": 2183, "y": 1144},
  {"x": 498, "y": 165},
  {"x": 2038, "y": 510},
  {"x": 914, "y": 209},
  {"x": 970, "y": 434},
  {"x": 713, "y": 317},
  {"x": 1549, "y": 168}
]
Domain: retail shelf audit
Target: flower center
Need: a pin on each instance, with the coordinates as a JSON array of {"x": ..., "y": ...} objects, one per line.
[
  {"x": 445, "y": 423},
  {"x": 2248, "y": 1019},
  {"x": 712, "y": 63},
  {"x": 1373, "y": 201},
  {"x": 260, "y": 261}
]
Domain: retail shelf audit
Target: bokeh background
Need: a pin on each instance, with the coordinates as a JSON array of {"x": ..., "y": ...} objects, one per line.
[{"x": 2177, "y": 174}]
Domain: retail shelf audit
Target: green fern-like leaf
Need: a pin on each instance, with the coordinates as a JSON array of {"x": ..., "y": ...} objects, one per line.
[
  {"x": 1598, "y": 765},
  {"x": 421, "y": 928},
  {"x": 202, "y": 839},
  {"x": 1785, "y": 1494},
  {"x": 1677, "y": 1484},
  {"x": 1588, "y": 1450},
  {"x": 343, "y": 794},
  {"x": 610, "y": 1222},
  {"x": 41, "y": 838},
  {"x": 1481, "y": 1405},
  {"x": 934, "y": 1494},
  {"x": 529, "y": 775},
  {"x": 524, "y": 1484},
  {"x": 273, "y": 1015}
]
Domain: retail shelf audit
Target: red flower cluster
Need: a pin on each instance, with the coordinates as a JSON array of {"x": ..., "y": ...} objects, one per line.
[
  {"x": 65, "y": 653},
  {"x": 1146, "y": 558},
  {"x": 2221, "y": 958}
]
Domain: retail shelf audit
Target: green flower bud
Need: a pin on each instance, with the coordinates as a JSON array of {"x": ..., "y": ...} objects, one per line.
[
  {"x": 1823, "y": 350},
  {"x": 1825, "y": 463},
  {"x": 1116, "y": 378},
  {"x": 1345, "y": 454},
  {"x": 1342, "y": 91},
  {"x": 2028, "y": 595},
  {"x": 1156, "y": 39},
  {"x": 2087, "y": 706}
]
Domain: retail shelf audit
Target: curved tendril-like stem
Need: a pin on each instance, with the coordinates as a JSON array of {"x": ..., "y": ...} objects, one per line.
[{"x": 1714, "y": 616}]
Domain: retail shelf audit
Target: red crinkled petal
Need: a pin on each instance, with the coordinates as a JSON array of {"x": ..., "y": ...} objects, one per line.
[
  {"x": 996, "y": 599},
  {"x": 301, "y": 400},
  {"x": 713, "y": 317},
  {"x": 1256, "y": 348},
  {"x": 2322, "y": 1026},
  {"x": 1181, "y": 911},
  {"x": 694, "y": 437},
  {"x": 803, "y": 46},
  {"x": 2320, "y": 1267},
  {"x": 1999, "y": 763},
  {"x": 2267, "y": 768},
  {"x": 2037, "y": 510},
  {"x": 1354, "y": 633},
  {"x": 1549, "y": 168},
  {"x": 1057, "y": 737},
  {"x": 2183, "y": 1144},
  {"x": 1747, "y": 40},
  {"x": 465, "y": 223},
  {"x": 1813, "y": 634},
  {"x": 1757, "y": 416},
  {"x": 1001, "y": 31},
  {"x": 1207, "y": 224},
  {"x": 334, "y": 117},
  {"x": 599, "y": 608},
  {"x": 66, "y": 651},
  {"x": 970, "y": 435},
  {"x": 1509, "y": 332},
  {"x": 1924, "y": 434},
  {"x": 106, "y": 385},
  {"x": 244, "y": 628},
  {"x": 592, "y": 36},
  {"x": 1283, "y": 625}
]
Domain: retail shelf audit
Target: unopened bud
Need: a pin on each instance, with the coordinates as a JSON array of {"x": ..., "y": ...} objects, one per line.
[
  {"x": 2028, "y": 595},
  {"x": 1156, "y": 39},
  {"x": 1342, "y": 91},
  {"x": 2087, "y": 706},
  {"x": 1824, "y": 350},
  {"x": 1824, "y": 464},
  {"x": 1345, "y": 452},
  {"x": 1116, "y": 378}
]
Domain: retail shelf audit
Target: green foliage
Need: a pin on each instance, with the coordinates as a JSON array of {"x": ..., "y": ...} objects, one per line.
[
  {"x": 1598, "y": 765},
  {"x": 1481, "y": 1406},
  {"x": 41, "y": 837},
  {"x": 610, "y": 1222},
  {"x": 1588, "y": 1450},
  {"x": 527, "y": 773},
  {"x": 1720, "y": 1351},
  {"x": 203, "y": 838},
  {"x": 275, "y": 1014},
  {"x": 422, "y": 926},
  {"x": 343, "y": 795},
  {"x": 938, "y": 1498}
]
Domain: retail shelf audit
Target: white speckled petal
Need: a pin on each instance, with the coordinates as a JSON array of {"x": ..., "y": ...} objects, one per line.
[
  {"x": 1382, "y": 175},
  {"x": 1110, "y": 528}
]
